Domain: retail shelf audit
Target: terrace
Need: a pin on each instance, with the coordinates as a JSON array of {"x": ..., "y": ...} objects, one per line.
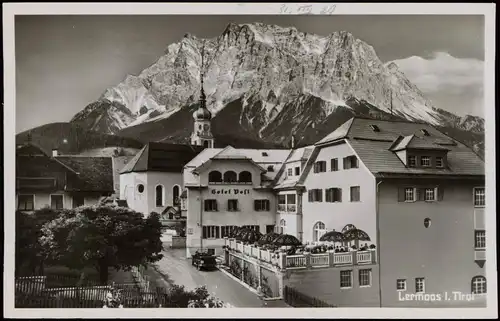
[{"x": 280, "y": 260}]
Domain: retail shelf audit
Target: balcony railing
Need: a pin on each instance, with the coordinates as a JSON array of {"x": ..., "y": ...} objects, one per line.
[
  {"x": 302, "y": 261},
  {"x": 288, "y": 208},
  {"x": 229, "y": 183}
]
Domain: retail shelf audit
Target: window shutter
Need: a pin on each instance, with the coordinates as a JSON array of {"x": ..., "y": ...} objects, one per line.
[
  {"x": 356, "y": 162},
  {"x": 420, "y": 194},
  {"x": 217, "y": 232},
  {"x": 401, "y": 194},
  {"x": 340, "y": 194},
  {"x": 255, "y": 205},
  {"x": 206, "y": 205},
  {"x": 320, "y": 192},
  {"x": 346, "y": 163},
  {"x": 215, "y": 205},
  {"x": 309, "y": 194},
  {"x": 440, "y": 191},
  {"x": 268, "y": 205},
  {"x": 204, "y": 234}
]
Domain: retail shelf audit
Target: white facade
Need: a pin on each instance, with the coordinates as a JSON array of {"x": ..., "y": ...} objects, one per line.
[
  {"x": 336, "y": 215},
  {"x": 157, "y": 192}
]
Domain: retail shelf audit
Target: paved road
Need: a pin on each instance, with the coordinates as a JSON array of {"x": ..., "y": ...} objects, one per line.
[{"x": 176, "y": 269}]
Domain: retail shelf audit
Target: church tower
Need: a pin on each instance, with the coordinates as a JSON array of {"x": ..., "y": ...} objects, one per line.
[{"x": 202, "y": 132}]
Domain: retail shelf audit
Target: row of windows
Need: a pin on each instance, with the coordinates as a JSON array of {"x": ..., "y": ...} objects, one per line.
[
  {"x": 430, "y": 194},
  {"x": 478, "y": 285},
  {"x": 160, "y": 195},
  {"x": 292, "y": 171},
  {"x": 262, "y": 205},
  {"x": 364, "y": 278},
  {"x": 230, "y": 177},
  {"x": 26, "y": 202},
  {"x": 219, "y": 232},
  {"x": 425, "y": 161},
  {"x": 333, "y": 194},
  {"x": 349, "y": 162}
]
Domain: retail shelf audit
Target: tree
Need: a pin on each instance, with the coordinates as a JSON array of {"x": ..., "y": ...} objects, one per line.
[{"x": 102, "y": 237}]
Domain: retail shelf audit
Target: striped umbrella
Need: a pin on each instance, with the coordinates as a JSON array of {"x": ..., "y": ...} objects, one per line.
[
  {"x": 356, "y": 235},
  {"x": 234, "y": 231},
  {"x": 287, "y": 240},
  {"x": 268, "y": 238},
  {"x": 332, "y": 236},
  {"x": 250, "y": 236},
  {"x": 241, "y": 232}
]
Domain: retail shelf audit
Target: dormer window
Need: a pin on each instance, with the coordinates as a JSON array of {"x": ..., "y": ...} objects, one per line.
[
  {"x": 270, "y": 168},
  {"x": 425, "y": 132},
  {"x": 412, "y": 161},
  {"x": 425, "y": 161},
  {"x": 375, "y": 128},
  {"x": 290, "y": 172}
]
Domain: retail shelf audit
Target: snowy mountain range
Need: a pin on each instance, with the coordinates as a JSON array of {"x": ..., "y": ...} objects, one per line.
[{"x": 265, "y": 82}]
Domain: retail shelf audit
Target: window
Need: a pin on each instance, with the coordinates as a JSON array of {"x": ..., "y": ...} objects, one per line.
[
  {"x": 282, "y": 226},
  {"x": 318, "y": 230},
  {"x": 479, "y": 197},
  {"x": 215, "y": 177},
  {"x": 320, "y": 167},
  {"x": 412, "y": 161},
  {"x": 245, "y": 177},
  {"x": 439, "y": 162},
  {"x": 430, "y": 194},
  {"x": 425, "y": 161},
  {"x": 175, "y": 195},
  {"x": 26, "y": 202},
  {"x": 225, "y": 231},
  {"x": 334, "y": 164},
  {"x": 270, "y": 168},
  {"x": 479, "y": 239},
  {"x": 365, "y": 277},
  {"x": 351, "y": 162},
  {"x": 425, "y": 132},
  {"x": 345, "y": 279},
  {"x": 375, "y": 128},
  {"x": 256, "y": 228},
  {"x": 206, "y": 144},
  {"x": 230, "y": 177},
  {"x": 211, "y": 205},
  {"x": 264, "y": 154},
  {"x": 478, "y": 285},
  {"x": 410, "y": 193},
  {"x": 419, "y": 285},
  {"x": 56, "y": 202},
  {"x": 269, "y": 229},
  {"x": 140, "y": 188},
  {"x": 297, "y": 171},
  {"x": 315, "y": 195},
  {"x": 159, "y": 195},
  {"x": 401, "y": 284},
  {"x": 355, "y": 194},
  {"x": 232, "y": 205},
  {"x": 78, "y": 200},
  {"x": 261, "y": 205},
  {"x": 290, "y": 172},
  {"x": 333, "y": 195},
  {"x": 211, "y": 232},
  {"x": 287, "y": 203}
]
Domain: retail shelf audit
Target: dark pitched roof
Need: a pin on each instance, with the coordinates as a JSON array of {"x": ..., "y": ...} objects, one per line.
[
  {"x": 374, "y": 148},
  {"x": 162, "y": 157},
  {"x": 94, "y": 173}
]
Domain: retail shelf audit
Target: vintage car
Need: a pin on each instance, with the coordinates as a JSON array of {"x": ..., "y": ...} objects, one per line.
[{"x": 204, "y": 260}]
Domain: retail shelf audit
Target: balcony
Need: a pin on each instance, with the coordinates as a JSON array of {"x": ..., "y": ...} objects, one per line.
[
  {"x": 287, "y": 208},
  {"x": 282, "y": 261},
  {"x": 37, "y": 183}
]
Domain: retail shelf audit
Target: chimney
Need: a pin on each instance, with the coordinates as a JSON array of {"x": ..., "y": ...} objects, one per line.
[{"x": 55, "y": 153}]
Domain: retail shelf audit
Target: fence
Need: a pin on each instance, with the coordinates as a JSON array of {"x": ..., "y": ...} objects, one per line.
[
  {"x": 297, "y": 299},
  {"x": 35, "y": 284}
]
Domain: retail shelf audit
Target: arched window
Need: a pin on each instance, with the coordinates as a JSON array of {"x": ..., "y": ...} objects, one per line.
[
  {"x": 318, "y": 231},
  {"x": 215, "y": 177},
  {"x": 175, "y": 195},
  {"x": 230, "y": 177},
  {"x": 478, "y": 284},
  {"x": 159, "y": 196},
  {"x": 245, "y": 177},
  {"x": 282, "y": 226}
]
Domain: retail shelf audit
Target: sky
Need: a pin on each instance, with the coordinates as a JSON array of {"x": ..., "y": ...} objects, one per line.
[{"x": 64, "y": 63}]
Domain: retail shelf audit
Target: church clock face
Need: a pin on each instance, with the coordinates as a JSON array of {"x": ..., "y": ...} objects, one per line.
[{"x": 205, "y": 127}]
